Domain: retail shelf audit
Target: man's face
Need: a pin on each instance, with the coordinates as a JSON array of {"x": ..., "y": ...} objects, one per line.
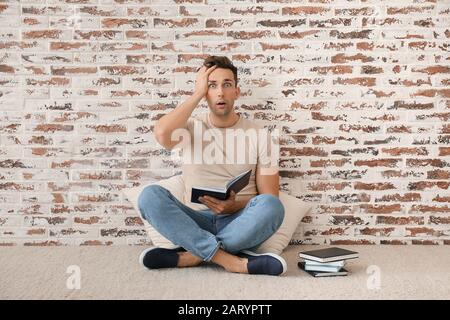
[{"x": 222, "y": 91}]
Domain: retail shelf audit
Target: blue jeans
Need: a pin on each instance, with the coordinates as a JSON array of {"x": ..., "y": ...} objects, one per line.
[{"x": 203, "y": 232}]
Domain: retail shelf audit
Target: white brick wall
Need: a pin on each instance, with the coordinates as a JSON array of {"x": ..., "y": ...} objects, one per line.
[{"x": 358, "y": 88}]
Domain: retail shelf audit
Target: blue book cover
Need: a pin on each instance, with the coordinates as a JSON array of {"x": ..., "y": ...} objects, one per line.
[{"x": 317, "y": 274}]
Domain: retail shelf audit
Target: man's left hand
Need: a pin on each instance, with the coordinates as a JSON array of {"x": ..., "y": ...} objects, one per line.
[{"x": 221, "y": 206}]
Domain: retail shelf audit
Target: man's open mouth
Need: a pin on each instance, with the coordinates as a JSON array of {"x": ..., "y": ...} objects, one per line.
[{"x": 221, "y": 103}]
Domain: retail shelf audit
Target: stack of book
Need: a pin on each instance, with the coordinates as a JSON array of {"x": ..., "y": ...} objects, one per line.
[{"x": 327, "y": 262}]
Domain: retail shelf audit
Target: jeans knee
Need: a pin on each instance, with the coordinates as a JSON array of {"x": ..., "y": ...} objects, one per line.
[
  {"x": 275, "y": 209},
  {"x": 150, "y": 197},
  {"x": 264, "y": 216}
]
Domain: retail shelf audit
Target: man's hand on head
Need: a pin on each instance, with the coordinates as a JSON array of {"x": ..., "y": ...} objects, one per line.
[
  {"x": 201, "y": 82},
  {"x": 221, "y": 206}
]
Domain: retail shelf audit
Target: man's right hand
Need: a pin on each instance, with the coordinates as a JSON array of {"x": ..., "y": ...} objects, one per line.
[
  {"x": 178, "y": 117},
  {"x": 201, "y": 82}
]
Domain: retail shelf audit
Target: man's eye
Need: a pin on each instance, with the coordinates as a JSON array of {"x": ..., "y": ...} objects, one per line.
[
  {"x": 227, "y": 85},
  {"x": 211, "y": 85}
]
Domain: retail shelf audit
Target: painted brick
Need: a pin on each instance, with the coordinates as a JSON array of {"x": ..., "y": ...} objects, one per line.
[{"x": 358, "y": 90}]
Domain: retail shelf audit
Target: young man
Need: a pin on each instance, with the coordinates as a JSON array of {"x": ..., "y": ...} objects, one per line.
[{"x": 221, "y": 231}]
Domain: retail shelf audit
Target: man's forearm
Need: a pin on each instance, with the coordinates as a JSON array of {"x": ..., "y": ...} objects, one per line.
[{"x": 176, "y": 118}]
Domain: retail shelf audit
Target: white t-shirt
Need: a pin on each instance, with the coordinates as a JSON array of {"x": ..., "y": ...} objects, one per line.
[{"x": 213, "y": 156}]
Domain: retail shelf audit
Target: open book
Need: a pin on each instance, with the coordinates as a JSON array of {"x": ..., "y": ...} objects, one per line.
[{"x": 236, "y": 184}]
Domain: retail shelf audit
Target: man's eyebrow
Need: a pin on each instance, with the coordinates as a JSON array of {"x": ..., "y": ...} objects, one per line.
[{"x": 225, "y": 80}]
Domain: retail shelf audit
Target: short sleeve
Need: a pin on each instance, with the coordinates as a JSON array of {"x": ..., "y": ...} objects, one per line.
[{"x": 268, "y": 152}]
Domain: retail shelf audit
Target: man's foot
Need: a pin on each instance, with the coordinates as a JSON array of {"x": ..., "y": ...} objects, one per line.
[
  {"x": 157, "y": 258},
  {"x": 187, "y": 259},
  {"x": 266, "y": 263}
]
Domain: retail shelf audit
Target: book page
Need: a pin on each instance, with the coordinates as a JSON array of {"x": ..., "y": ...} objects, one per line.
[{"x": 210, "y": 189}]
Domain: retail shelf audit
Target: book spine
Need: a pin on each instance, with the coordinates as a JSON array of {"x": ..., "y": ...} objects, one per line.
[
  {"x": 310, "y": 258},
  {"x": 325, "y": 264},
  {"x": 326, "y": 269}
]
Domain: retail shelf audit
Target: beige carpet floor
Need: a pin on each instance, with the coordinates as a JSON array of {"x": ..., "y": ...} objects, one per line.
[{"x": 406, "y": 272}]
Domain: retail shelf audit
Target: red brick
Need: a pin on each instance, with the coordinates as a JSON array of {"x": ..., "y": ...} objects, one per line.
[
  {"x": 397, "y": 197},
  {"x": 380, "y": 208},
  {"x": 429, "y": 208},
  {"x": 378, "y": 163},
  {"x": 373, "y": 186},
  {"x": 399, "y": 220},
  {"x": 421, "y": 231},
  {"x": 352, "y": 242}
]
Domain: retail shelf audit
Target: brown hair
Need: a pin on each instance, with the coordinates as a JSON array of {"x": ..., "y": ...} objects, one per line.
[{"x": 221, "y": 62}]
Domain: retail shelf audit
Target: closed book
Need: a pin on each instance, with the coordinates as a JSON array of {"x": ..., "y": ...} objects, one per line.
[
  {"x": 340, "y": 263},
  {"x": 321, "y": 268},
  {"x": 317, "y": 274},
  {"x": 236, "y": 184},
  {"x": 328, "y": 254}
]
